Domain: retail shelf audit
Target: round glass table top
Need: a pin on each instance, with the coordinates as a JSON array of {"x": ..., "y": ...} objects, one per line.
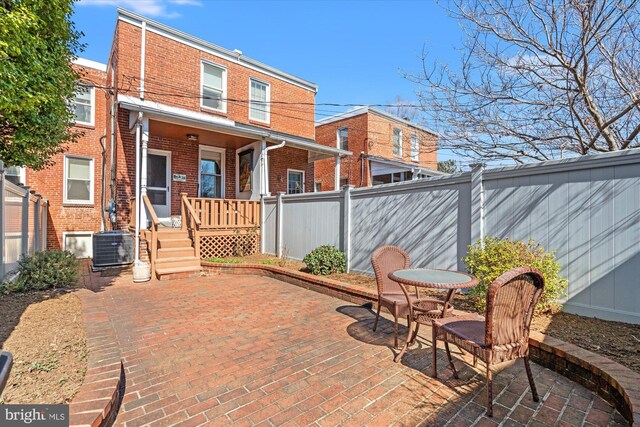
[{"x": 432, "y": 277}]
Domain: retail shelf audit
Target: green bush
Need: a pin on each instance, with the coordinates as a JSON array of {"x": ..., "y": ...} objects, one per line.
[
  {"x": 45, "y": 270},
  {"x": 487, "y": 262},
  {"x": 325, "y": 260},
  {"x": 226, "y": 260}
]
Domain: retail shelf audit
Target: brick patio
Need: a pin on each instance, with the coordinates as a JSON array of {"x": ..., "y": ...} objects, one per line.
[{"x": 249, "y": 350}]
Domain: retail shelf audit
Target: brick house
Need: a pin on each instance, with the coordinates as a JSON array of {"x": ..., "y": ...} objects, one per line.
[
  {"x": 181, "y": 137},
  {"x": 386, "y": 148}
]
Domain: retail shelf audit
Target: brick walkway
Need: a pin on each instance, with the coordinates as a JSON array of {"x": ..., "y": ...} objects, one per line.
[{"x": 248, "y": 350}]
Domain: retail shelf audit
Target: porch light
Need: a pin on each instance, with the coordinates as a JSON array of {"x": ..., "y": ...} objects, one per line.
[{"x": 192, "y": 137}]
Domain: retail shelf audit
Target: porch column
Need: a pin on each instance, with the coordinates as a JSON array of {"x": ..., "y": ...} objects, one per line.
[
  {"x": 143, "y": 171},
  {"x": 264, "y": 190},
  {"x": 337, "y": 177},
  {"x": 137, "y": 190}
]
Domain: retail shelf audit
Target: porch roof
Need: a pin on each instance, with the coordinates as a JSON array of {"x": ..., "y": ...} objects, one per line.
[
  {"x": 390, "y": 166},
  {"x": 181, "y": 116}
]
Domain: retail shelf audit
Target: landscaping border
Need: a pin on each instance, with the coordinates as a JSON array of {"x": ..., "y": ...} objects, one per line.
[
  {"x": 615, "y": 383},
  {"x": 98, "y": 400}
]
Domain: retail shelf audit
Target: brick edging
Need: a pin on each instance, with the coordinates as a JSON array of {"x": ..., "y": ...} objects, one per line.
[
  {"x": 97, "y": 402},
  {"x": 615, "y": 383}
]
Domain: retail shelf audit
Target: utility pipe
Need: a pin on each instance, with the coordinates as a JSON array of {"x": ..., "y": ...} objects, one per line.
[{"x": 103, "y": 225}]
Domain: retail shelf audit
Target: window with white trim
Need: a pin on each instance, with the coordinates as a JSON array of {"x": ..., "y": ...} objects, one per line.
[
  {"x": 259, "y": 94},
  {"x": 343, "y": 138},
  {"x": 295, "y": 182},
  {"x": 82, "y": 105},
  {"x": 397, "y": 142},
  {"x": 15, "y": 175},
  {"x": 214, "y": 84},
  {"x": 78, "y": 180},
  {"x": 79, "y": 244},
  {"x": 415, "y": 148}
]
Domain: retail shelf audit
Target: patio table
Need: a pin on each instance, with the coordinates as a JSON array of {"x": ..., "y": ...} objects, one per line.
[{"x": 448, "y": 280}]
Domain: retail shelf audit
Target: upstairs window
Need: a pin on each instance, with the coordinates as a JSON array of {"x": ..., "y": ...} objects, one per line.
[
  {"x": 397, "y": 142},
  {"x": 259, "y": 101},
  {"x": 415, "y": 148},
  {"x": 214, "y": 85},
  {"x": 82, "y": 105},
  {"x": 343, "y": 138}
]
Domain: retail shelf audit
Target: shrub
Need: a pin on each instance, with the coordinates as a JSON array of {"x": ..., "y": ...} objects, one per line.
[
  {"x": 325, "y": 260},
  {"x": 45, "y": 270},
  {"x": 225, "y": 260},
  {"x": 499, "y": 256}
]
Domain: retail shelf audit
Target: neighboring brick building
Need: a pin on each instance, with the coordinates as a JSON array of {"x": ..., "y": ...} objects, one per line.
[
  {"x": 73, "y": 184},
  {"x": 386, "y": 148},
  {"x": 192, "y": 117}
]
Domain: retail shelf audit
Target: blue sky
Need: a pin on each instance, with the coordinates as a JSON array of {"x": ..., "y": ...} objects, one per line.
[{"x": 356, "y": 51}]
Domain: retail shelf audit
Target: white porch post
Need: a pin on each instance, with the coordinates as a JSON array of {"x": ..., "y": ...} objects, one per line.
[
  {"x": 337, "y": 177},
  {"x": 137, "y": 212},
  {"x": 264, "y": 189},
  {"x": 143, "y": 171}
]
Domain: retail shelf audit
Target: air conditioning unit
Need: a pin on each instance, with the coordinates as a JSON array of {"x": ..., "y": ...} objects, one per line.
[{"x": 112, "y": 248}]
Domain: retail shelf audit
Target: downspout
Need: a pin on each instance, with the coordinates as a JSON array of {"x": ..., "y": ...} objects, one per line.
[
  {"x": 361, "y": 169},
  {"x": 103, "y": 225},
  {"x": 265, "y": 160}
]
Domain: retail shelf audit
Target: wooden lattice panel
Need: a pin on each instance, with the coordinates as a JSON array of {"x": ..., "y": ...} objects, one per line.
[{"x": 228, "y": 244}]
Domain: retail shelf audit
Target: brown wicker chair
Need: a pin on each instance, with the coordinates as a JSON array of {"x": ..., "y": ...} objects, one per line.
[
  {"x": 385, "y": 260},
  {"x": 503, "y": 334}
]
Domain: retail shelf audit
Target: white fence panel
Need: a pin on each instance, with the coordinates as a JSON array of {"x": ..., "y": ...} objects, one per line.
[{"x": 586, "y": 209}]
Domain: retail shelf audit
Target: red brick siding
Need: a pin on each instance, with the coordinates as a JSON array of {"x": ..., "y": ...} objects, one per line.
[
  {"x": 285, "y": 158},
  {"x": 173, "y": 67},
  {"x": 369, "y": 134},
  {"x": 350, "y": 166},
  {"x": 50, "y": 181},
  {"x": 381, "y": 137}
]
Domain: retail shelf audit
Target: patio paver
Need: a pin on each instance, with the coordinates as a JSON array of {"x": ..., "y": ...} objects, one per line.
[{"x": 249, "y": 350}]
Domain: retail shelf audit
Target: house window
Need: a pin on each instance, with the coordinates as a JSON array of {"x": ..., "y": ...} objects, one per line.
[
  {"x": 343, "y": 138},
  {"x": 82, "y": 105},
  {"x": 259, "y": 101},
  {"x": 214, "y": 83},
  {"x": 78, "y": 243},
  {"x": 15, "y": 175},
  {"x": 415, "y": 148},
  {"x": 397, "y": 142},
  {"x": 78, "y": 180},
  {"x": 211, "y": 176},
  {"x": 295, "y": 182}
]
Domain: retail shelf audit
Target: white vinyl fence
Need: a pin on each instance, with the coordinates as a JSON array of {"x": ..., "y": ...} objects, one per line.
[
  {"x": 586, "y": 209},
  {"x": 23, "y": 223}
]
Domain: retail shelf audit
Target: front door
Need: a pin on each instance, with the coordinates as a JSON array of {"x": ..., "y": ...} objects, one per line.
[{"x": 159, "y": 182}]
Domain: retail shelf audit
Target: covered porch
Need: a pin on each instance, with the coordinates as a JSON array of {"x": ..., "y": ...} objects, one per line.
[
  {"x": 204, "y": 175},
  {"x": 385, "y": 171}
]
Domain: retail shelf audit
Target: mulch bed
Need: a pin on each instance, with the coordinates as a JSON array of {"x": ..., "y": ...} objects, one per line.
[
  {"x": 615, "y": 340},
  {"x": 45, "y": 333}
]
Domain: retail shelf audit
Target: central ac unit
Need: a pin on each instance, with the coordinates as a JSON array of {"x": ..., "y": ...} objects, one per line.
[{"x": 112, "y": 248}]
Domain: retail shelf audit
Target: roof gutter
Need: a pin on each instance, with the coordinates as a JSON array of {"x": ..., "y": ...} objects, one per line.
[{"x": 264, "y": 160}]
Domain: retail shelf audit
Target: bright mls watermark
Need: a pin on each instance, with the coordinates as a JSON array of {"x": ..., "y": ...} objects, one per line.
[{"x": 34, "y": 415}]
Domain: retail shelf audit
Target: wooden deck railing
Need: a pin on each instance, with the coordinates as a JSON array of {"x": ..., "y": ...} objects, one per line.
[
  {"x": 155, "y": 222},
  {"x": 190, "y": 221},
  {"x": 226, "y": 213}
]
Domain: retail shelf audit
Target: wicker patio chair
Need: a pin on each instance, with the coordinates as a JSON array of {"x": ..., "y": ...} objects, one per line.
[
  {"x": 503, "y": 334},
  {"x": 385, "y": 260}
]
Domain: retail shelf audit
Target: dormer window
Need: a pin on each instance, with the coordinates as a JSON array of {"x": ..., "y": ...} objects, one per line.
[{"x": 214, "y": 87}]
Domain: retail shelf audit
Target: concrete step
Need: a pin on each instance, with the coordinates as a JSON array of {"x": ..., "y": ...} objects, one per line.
[
  {"x": 171, "y": 242},
  {"x": 176, "y": 252}
]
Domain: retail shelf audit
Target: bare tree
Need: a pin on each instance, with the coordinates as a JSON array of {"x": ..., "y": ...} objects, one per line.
[
  {"x": 539, "y": 79},
  {"x": 403, "y": 109}
]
